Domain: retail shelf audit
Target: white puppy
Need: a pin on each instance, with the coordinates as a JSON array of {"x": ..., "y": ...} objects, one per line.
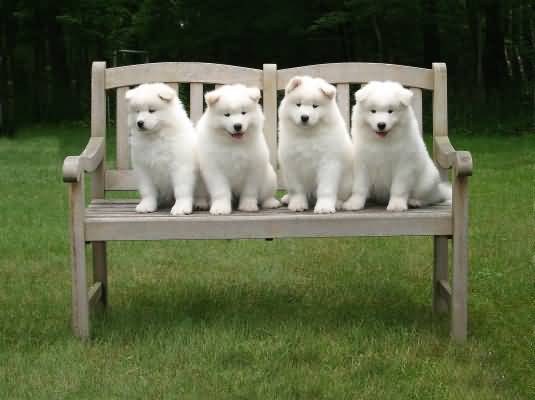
[
  {"x": 233, "y": 153},
  {"x": 392, "y": 165},
  {"x": 314, "y": 146},
  {"x": 163, "y": 150}
]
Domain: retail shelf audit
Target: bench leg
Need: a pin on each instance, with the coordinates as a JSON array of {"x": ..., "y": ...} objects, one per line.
[
  {"x": 440, "y": 274},
  {"x": 459, "y": 297},
  {"x": 80, "y": 301},
  {"x": 100, "y": 270}
]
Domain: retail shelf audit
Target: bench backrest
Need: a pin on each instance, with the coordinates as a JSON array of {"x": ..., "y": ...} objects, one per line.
[{"x": 269, "y": 80}]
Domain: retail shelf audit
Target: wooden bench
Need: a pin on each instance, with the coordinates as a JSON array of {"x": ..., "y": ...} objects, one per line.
[{"x": 105, "y": 219}]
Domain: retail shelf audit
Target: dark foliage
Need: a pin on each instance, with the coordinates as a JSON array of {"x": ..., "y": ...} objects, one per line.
[{"x": 489, "y": 46}]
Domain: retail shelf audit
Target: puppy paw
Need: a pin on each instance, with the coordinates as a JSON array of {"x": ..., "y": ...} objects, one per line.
[
  {"x": 285, "y": 199},
  {"x": 220, "y": 207},
  {"x": 271, "y": 203},
  {"x": 416, "y": 203},
  {"x": 182, "y": 207},
  {"x": 298, "y": 203},
  {"x": 147, "y": 206},
  {"x": 248, "y": 205},
  {"x": 354, "y": 203},
  {"x": 201, "y": 204},
  {"x": 325, "y": 206},
  {"x": 397, "y": 204}
]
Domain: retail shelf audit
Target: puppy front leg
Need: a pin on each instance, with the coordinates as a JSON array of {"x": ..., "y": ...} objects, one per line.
[
  {"x": 249, "y": 193},
  {"x": 399, "y": 193},
  {"x": 360, "y": 190},
  {"x": 183, "y": 184},
  {"x": 147, "y": 191},
  {"x": 219, "y": 189},
  {"x": 327, "y": 191},
  {"x": 200, "y": 194},
  {"x": 297, "y": 195}
]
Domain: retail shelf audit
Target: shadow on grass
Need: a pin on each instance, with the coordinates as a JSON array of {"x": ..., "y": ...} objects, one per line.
[{"x": 260, "y": 310}]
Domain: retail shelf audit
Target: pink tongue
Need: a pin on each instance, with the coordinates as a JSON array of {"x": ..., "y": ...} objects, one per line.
[
  {"x": 238, "y": 135},
  {"x": 382, "y": 134}
]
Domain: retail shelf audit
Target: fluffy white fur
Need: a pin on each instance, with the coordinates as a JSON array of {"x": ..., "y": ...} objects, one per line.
[
  {"x": 163, "y": 150},
  {"x": 233, "y": 153},
  {"x": 315, "y": 150},
  {"x": 391, "y": 165}
]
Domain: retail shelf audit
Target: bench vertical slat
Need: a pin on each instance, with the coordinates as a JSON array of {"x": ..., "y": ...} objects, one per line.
[
  {"x": 196, "y": 101},
  {"x": 98, "y": 123},
  {"x": 417, "y": 107},
  {"x": 440, "y": 273},
  {"x": 121, "y": 116},
  {"x": 459, "y": 290},
  {"x": 440, "y": 107},
  {"x": 270, "y": 110},
  {"x": 98, "y": 99},
  {"x": 80, "y": 301},
  {"x": 342, "y": 97}
]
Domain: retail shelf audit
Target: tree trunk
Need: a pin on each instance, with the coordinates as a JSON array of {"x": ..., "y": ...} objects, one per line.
[
  {"x": 531, "y": 21},
  {"x": 379, "y": 38},
  {"x": 7, "y": 69},
  {"x": 476, "y": 22},
  {"x": 493, "y": 56},
  {"x": 430, "y": 32}
]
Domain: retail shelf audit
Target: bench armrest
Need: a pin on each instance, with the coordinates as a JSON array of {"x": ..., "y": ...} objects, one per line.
[
  {"x": 88, "y": 161},
  {"x": 448, "y": 157}
]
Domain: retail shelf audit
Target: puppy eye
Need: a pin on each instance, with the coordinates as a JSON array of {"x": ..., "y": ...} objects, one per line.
[
  {"x": 243, "y": 112},
  {"x": 373, "y": 111},
  {"x": 227, "y": 115},
  {"x": 315, "y": 106},
  {"x": 151, "y": 110},
  {"x": 390, "y": 111},
  {"x": 298, "y": 104}
]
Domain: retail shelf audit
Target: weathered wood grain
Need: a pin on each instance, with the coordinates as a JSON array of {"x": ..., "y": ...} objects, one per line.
[
  {"x": 342, "y": 98},
  {"x": 360, "y": 73},
  {"x": 270, "y": 110},
  {"x": 182, "y": 72},
  {"x": 111, "y": 220}
]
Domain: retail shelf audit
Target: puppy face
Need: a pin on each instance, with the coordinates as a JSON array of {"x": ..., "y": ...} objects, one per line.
[
  {"x": 234, "y": 109},
  {"x": 148, "y": 106},
  {"x": 307, "y": 100},
  {"x": 382, "y": 105}
]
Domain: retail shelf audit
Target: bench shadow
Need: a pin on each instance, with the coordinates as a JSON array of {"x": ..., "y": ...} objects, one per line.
[{"x": 264, "y": 309}]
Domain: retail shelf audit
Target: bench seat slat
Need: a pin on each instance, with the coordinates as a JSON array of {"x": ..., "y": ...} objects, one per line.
[{"x": 117, "y": 220}]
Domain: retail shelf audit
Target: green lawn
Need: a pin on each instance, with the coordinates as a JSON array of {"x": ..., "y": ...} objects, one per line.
[{"x": 288, "y": 319}]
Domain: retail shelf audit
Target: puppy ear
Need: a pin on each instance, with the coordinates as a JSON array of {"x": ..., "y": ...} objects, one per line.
[
  {"x": 328, "y": 90},
  {"x": 166, "y": 93},
  {"x": 211, "y": 97},
  {"x": 362, "y": 93},
  {"x": 128, "y": 95},
  {"x": 294, "y": 82},
  {"x": 405, "y": 96},
  {"x": 254, "y": 94}
]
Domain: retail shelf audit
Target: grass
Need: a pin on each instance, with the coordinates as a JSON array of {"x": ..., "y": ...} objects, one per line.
[{"x": 288, "y": 319}]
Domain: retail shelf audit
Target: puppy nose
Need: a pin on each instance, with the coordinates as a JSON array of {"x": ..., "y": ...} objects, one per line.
[
  {"x": 140, "y": 124},
  {"x": 237, "y": 127},
  {"x": 381, "y": 125},
  {"x": 304, "y": 118}
]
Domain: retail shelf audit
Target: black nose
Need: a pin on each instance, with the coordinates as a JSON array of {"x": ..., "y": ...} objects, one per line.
[
  {"x": 237, "y": 127},
  {"x": 304, "y": 118},
  {"x": 381, "y": 125},
  {"x": 140, "y": 124}
]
